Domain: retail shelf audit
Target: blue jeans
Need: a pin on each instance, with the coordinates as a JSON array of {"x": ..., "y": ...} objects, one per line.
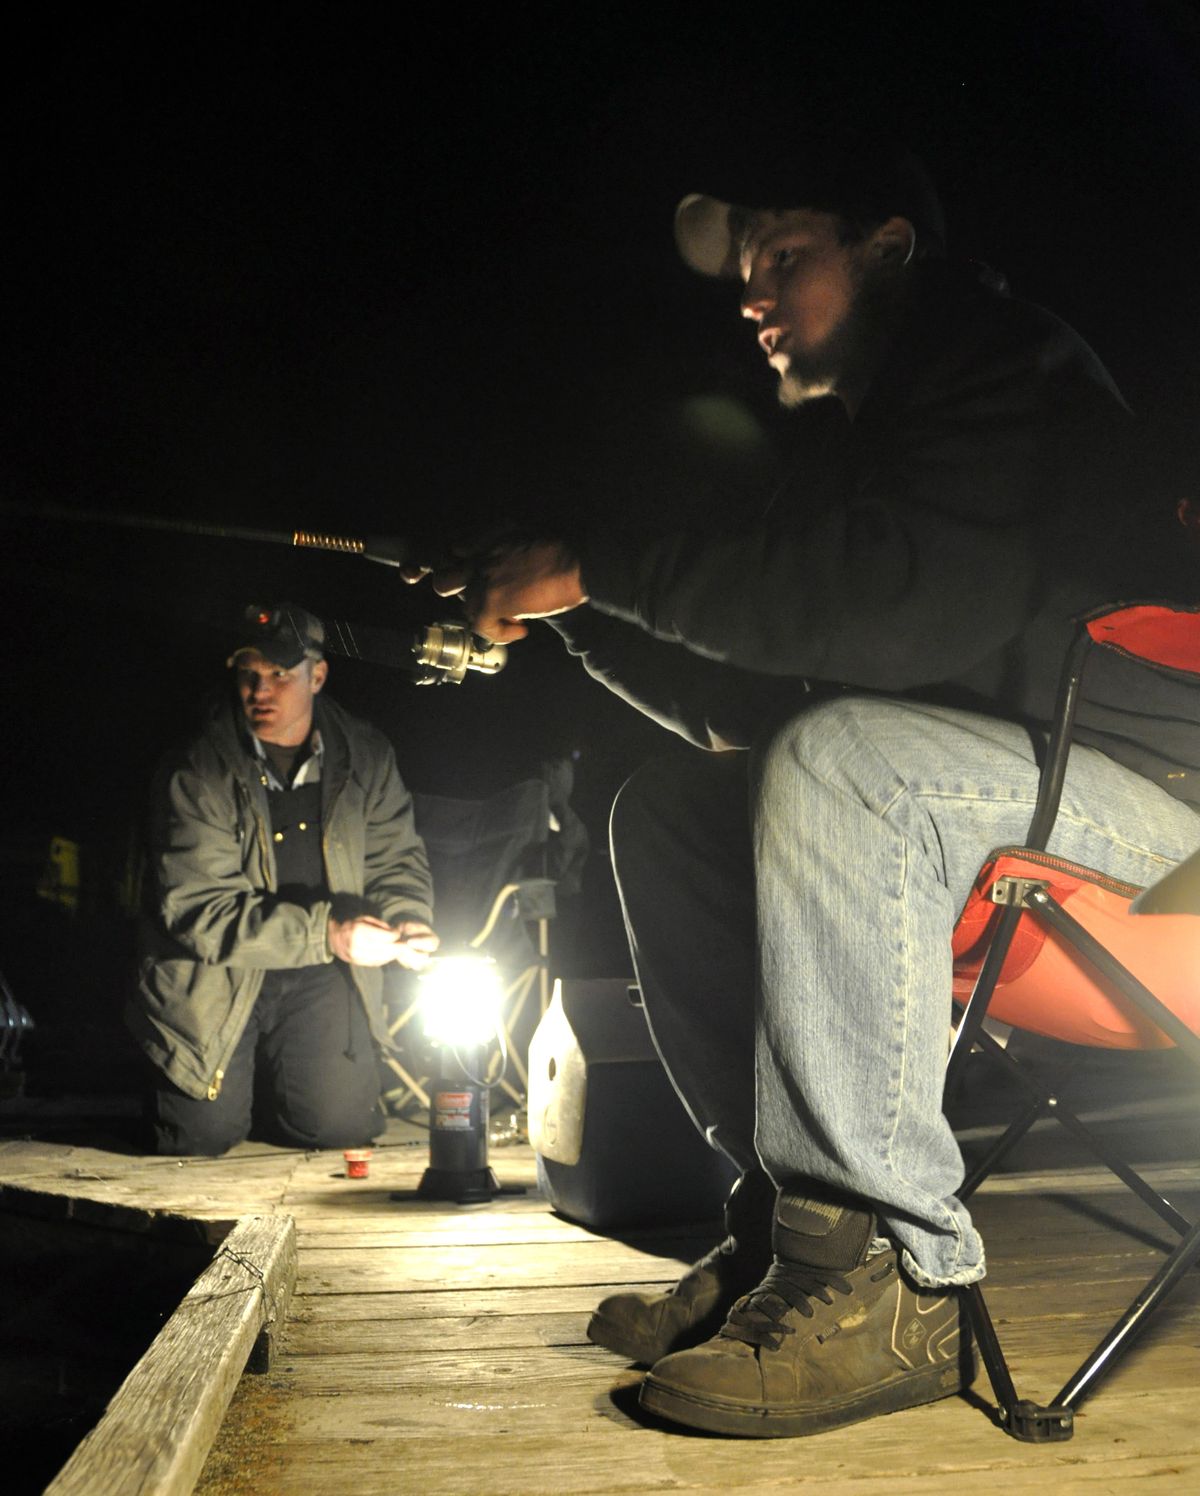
[{"x": 834, "y": 863}]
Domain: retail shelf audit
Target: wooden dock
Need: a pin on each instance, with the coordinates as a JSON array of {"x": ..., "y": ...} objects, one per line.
[{"x": 440, "y": 1349}]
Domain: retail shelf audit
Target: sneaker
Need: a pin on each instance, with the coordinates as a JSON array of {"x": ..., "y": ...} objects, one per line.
[
  {"x": 645, "y": 1327},
  {"x": 833, "y": 1334}
]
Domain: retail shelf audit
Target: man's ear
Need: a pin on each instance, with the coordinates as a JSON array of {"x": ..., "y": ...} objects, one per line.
[
  {"x": 894, "y": 243},
  {"x": 320, "y": 670}
]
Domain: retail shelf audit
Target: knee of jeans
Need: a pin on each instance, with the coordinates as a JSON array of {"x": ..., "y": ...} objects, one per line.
[{"x": 816, "y": 740}]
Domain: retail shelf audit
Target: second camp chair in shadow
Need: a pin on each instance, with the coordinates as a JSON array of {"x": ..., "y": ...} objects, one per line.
[
  {"x": 491, "y": 862},
  {"x": 1060, "y": 950}
]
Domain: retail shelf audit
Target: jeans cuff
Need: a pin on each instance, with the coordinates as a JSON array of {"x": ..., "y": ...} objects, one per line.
[{"x": 930, "y": 1280}]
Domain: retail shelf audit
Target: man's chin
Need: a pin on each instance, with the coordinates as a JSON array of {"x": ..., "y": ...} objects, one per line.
[{"x": 796, "y": 389}]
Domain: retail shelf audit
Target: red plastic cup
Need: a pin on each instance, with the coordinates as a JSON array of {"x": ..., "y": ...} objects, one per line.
[{"x": 358, "y": 1162}]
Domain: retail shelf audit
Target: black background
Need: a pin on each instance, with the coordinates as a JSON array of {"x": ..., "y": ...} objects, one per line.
[{"x": 371, "y": 269}]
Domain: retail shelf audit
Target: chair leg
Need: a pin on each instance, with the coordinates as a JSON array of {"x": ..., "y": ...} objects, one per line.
[
  {"x": 1028, "y": 1421},
  {"x": 1013, "y": 1134},
  {"x": 516, "y": 996},
  {"x": 1038, "y": 1423},
  {"x": 1035, "y": 1423},
  {"x": 1044, "y": 1102},
  {"x": 1132, "y": 1322},
  {"x": 415, "y": 1088}
]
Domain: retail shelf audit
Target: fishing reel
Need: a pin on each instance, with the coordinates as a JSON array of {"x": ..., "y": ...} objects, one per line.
[
  {"x": 444, "y": 652},
  {"x": 436, "y": 654}
]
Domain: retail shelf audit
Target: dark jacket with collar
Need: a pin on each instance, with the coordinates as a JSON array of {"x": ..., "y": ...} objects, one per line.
[
  {"x": 938, "y": 547},
  {"x": 214, "y": 924}
]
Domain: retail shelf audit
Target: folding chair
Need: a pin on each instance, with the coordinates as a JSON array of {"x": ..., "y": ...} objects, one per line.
[
  {"x": 489, "y": 860},
  {"x": 1062, "y": 951}
]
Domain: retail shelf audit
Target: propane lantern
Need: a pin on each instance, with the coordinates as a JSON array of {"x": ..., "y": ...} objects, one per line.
[{"x": 460, "y": 1002}]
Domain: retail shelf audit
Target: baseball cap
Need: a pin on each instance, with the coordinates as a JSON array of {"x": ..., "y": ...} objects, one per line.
[
  {"x": 283, "y": 633},
  {"x": 865, "y": 179}
]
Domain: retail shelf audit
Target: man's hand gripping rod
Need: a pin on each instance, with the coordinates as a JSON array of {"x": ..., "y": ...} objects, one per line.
[{"x": 445, "y": 651}]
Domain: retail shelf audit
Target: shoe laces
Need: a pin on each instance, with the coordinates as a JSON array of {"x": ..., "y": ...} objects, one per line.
[{"x": 761, "y": 1317}]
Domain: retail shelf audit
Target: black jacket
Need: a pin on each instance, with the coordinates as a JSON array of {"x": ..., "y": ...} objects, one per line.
[{"x": 938, "y": 547}]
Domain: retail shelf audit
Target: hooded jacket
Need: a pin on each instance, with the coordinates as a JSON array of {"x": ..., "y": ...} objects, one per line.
[
  {"x": 214, "y": 925},
  {"x": 939, "y": 546}
]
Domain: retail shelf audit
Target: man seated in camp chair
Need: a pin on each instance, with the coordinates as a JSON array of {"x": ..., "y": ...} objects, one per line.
[{"x": 963, "y": 486}]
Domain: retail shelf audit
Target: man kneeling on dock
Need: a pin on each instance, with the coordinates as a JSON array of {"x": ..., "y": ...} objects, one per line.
[
  {"x": 286, "y": 872},
  {"x": 884, "y": 640}
]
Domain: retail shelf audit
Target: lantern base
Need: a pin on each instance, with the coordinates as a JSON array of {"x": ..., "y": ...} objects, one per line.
[{"x": 463, "y": 1186}]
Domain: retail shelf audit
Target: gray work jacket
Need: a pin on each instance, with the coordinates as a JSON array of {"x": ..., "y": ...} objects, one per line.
[{"x": 214, "y": 925}]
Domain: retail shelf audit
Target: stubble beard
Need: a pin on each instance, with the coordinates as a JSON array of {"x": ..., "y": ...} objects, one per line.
[
  {"x": 799, "y": 385},
  {"x": 850, "y": 356}
]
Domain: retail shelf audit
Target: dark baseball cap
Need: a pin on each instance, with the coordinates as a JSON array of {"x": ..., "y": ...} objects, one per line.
[
  {"x": 282, "y": 633},
  {"x": 864, "y": 179}
]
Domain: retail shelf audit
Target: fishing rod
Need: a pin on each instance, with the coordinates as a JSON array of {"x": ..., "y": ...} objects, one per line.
[
  {"x": 438, "y": 653},
  {"x": 389, "y": 550}
]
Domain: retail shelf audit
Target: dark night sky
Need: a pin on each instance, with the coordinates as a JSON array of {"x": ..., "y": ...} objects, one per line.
[{"x": 373, "y": 269}]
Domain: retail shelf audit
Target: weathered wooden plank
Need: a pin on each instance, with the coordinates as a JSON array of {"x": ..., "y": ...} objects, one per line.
[
  {"x": 216, "y": 1204},
  {"x": 394, "y": 1201},
  {"x": 375, "y": 1220},
  {"x": 525, "y": 1468},
  {"x": 1091, "y": 1180},
  {"x": 432, "y": 1304},
  {"x": 389, "y": 1175},
  {"x": 560, "y": 1438},
  {"x": 517, "y": 1165},
  {"x": 250, "y": 1180},
  {"x": 158, "y": 1429},
  {"x": 332, "y": 1328},
  {"x": 347, "y": 1271},
  {"x": 372, "y": 1233},
  {"x": 1009, "y": 1307},
  {"x": 265, "y": 1179},
  {"x": 532, "y": 1230},
  {"x": 516, "y": 1376},
  {"x": 525, "y": 1264},
  {"x": 464, "y": 1333},
  {"x": 369, "y": 1212},
  {"x": 1024, "y": 1288},
  {"x": 1006, "y": 1220},
  {"x": 129, "y": 1221}
]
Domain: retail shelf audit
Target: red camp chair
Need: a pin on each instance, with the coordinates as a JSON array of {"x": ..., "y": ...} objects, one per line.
[{"x": 1063, "y": 951}]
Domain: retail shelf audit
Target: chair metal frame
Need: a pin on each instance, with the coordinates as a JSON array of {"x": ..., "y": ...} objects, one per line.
[
  {"x": 528, "y": 892},
  {"x": 1023, "y": 898},
  {"x": 513, "y": 1001}
]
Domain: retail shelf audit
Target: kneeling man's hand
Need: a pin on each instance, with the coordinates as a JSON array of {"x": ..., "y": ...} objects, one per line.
[
  {"x": 416, "y": 942},
  {"x": 367, "y": 941}
]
